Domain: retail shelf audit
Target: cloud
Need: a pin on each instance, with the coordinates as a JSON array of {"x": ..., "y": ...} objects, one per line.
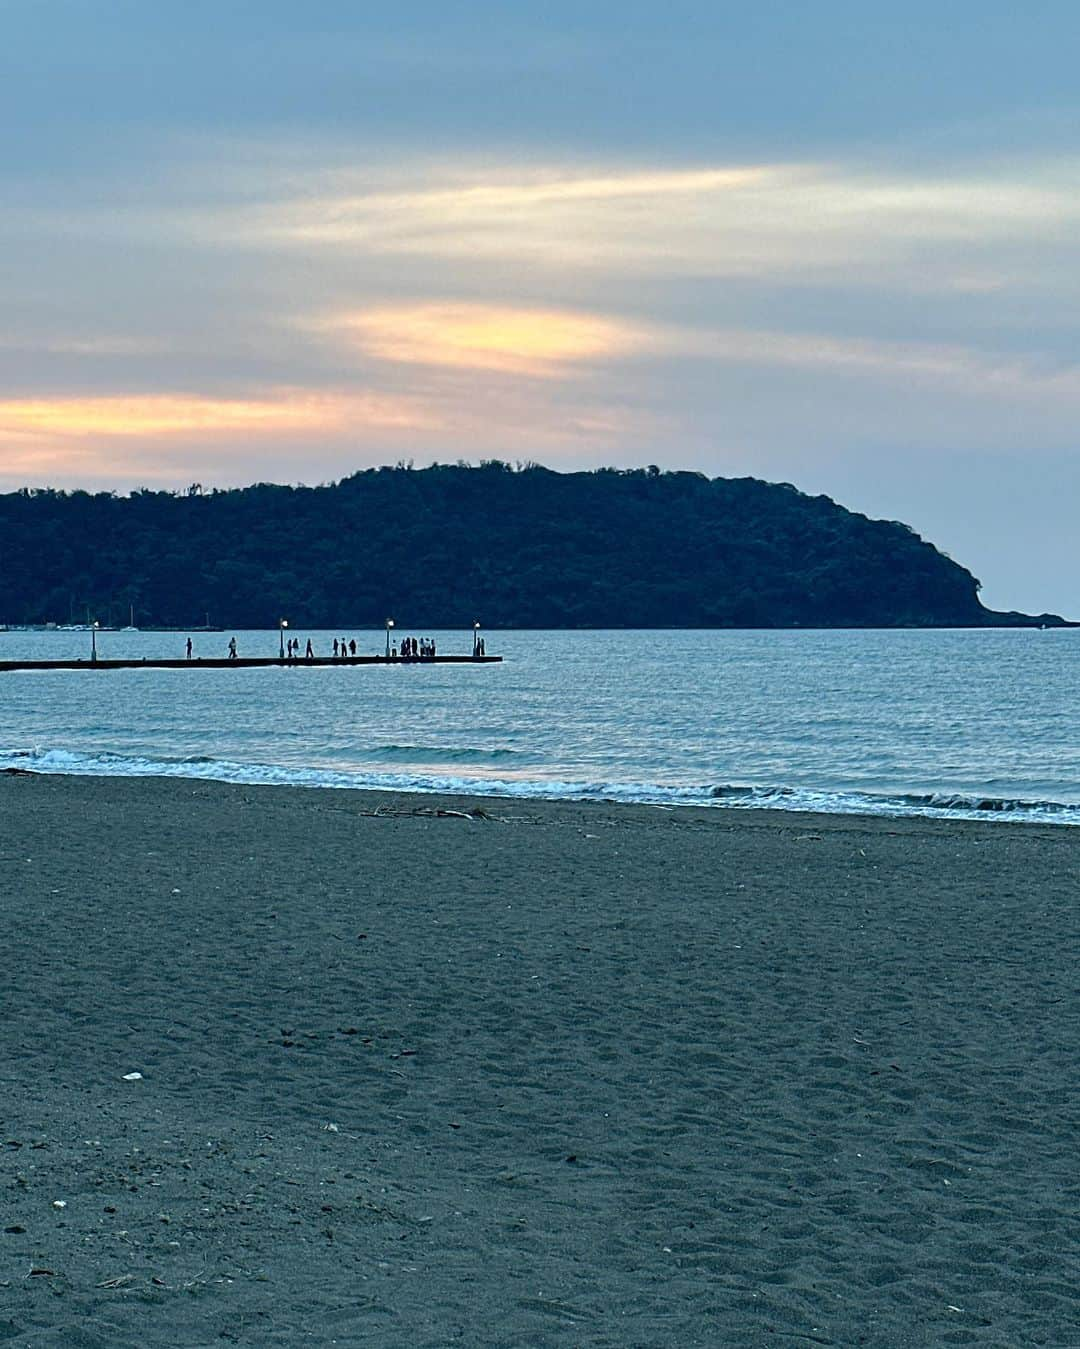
[
  {"x": 782, "y": 220},
  {"x": 963, "y": 369},
  {"x": 167, "y": 437},
  {"x": 610, "y": 349},
  {"x": 969, "y": 227},
  {"x": 154, "y": 415},
  {"x": 502, "y": 196},
  {"x": 304, "y": 319},
  {"x": 542, "y": 343},
  {"x": 104, "y": 345}
]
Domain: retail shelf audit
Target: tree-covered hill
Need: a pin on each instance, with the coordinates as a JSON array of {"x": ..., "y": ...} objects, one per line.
[{"x": 439, "y": 546}]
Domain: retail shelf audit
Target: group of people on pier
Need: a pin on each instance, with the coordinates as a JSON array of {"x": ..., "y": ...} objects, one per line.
[
  {"x": 412, "y": 648},
  {"x": 343, "y": 649}
]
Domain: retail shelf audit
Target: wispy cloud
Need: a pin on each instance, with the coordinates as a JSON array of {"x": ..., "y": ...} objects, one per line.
[
  {"x": 570, "y": 310},
  {"x": 543, "y": 343},
  {"x": 965, "y": 226},
  {"x": 610, "y": 349},
  {"x": 741, "y": 220},
  {"x": 464, "y": 199},
  {"x": 961, "y": 369},
  {"x": 105, "y": 345},
  {"x": 151, "y": 415}
]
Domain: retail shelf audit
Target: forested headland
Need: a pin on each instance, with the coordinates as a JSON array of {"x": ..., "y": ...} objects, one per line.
[{"x": 442, "y": 546}]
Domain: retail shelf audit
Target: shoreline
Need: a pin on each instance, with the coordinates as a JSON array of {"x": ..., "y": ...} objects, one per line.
[
  {"x": 946, "y": 806},
  {"x": 422, "y": 797},
  {"x": 563, "y": 1073}
]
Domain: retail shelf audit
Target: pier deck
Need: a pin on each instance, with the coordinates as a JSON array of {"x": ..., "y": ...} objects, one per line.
[{"x": 241, "y": 663}]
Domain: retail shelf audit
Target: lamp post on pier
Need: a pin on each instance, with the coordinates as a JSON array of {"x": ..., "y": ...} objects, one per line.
[
  {"x": 93, "y": 640},
  {"x": 389, "y": 625},
  {"x": 475, "y": 638},
  {"x": 283, "y": 623}
]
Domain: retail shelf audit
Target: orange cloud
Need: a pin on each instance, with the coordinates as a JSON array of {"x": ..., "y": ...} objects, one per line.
[
  {"x": 537, "y": 342},
  {"x": 153, "y": 415}
]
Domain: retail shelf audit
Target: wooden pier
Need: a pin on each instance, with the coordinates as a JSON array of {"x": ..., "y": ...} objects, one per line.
[{"x": 242, "y": 663}]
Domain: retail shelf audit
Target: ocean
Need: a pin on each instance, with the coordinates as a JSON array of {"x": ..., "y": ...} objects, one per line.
[{"x": 964, "y": 724}]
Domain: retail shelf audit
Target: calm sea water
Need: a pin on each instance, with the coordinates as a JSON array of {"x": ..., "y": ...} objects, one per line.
[{"x": 964, "y": 723}]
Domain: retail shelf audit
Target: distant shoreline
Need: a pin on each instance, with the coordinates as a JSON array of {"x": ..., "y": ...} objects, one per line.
[
  {"x": 1047, "y": 623},
  {"x": 520, "y": 546}
]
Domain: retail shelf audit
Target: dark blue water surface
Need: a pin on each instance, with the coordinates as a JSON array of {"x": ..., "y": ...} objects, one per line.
[{"x": 963, "y": 723}]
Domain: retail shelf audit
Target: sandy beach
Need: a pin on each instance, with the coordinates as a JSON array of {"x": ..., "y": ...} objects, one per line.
[{"x": 553, "y": 1074}]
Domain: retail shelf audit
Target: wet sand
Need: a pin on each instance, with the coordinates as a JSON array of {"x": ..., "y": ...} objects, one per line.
[{"x": 568, "y": 1075}]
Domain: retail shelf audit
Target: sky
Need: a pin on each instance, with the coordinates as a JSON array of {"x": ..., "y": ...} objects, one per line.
[{"x": 834, "y": 244}]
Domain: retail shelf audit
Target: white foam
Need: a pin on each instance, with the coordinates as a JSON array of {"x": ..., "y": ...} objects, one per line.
[{"x": 940, "y": 805}]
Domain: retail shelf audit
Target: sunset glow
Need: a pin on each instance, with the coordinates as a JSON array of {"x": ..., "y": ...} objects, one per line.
[
  {"x": 168, "y": 414},
  {"x": 807, "y": 245},
  {"x": 537, "y": 342}
]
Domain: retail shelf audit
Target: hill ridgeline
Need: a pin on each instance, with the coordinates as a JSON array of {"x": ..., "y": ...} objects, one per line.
[{"x": 438, "y": 547}]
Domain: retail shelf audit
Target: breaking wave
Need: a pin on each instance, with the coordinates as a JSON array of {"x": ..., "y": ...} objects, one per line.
[
  {"x": 942, "y": 805},
  {"x": 427, "y": 754}
]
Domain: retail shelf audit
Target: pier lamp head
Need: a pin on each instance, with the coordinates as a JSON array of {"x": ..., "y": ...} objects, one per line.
[
  {"x": 476, "y": 625},
  {"x": 284, "y": 622},
  {"x": 389, "y": 622}
]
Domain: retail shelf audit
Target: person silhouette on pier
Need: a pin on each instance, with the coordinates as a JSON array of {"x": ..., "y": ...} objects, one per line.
[
  {"x": 309, "y": 654},
  {"x": 232, "y": 648},
  {"x": 189, "y": 648}
]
